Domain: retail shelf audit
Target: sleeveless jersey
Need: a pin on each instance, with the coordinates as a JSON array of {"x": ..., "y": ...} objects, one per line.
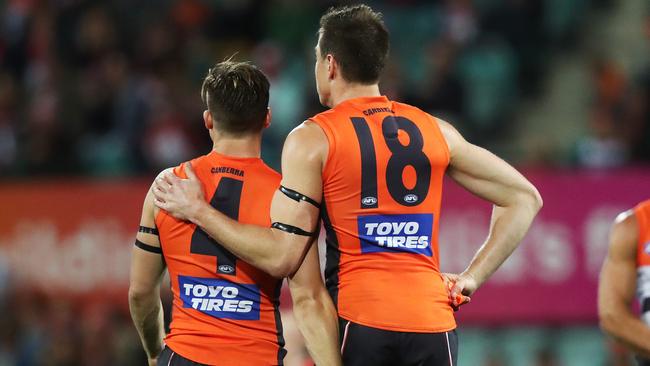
[
  {"x": 224, "y": 311},
  {"x": 642, "y": 213},
  {"x": 382, "y": 187}
]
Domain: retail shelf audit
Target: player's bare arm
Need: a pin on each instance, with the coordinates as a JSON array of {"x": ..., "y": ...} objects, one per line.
[
  {"x": 314, "y": 311},
  {"x": 617, "y": 287},
  {"x": 516, "y": 202},
  {"x": 294, "y": 210},
  {"x": 147, "y": 269}
]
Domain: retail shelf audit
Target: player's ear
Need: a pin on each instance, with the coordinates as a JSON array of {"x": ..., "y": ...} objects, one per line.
[
  {"x": 332, "y": 66},
  {"x": 207, "y": 119},
  {"x": 267, "y": 121}
]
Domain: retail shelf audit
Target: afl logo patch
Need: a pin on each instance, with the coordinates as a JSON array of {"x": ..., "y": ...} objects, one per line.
[
  {"x": 411, "y": 198},
  {"x": 225, "y": 268},
  {"x": 368, "y": 201}
]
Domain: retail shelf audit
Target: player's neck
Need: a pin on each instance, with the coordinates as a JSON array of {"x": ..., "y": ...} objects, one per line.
[
  {"x": 239, "y": 147},
  {"x": 351, "y": 91}
]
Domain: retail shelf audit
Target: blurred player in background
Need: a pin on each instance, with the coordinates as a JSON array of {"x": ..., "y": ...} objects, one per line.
[
  {"x": 225, "y": 311},
  {"x": 374, "y": 169},
  {"x": 626, "y": 270}
]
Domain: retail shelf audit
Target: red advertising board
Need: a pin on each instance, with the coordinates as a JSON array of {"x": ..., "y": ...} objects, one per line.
[
  {"x": 70, "y": 238},
  {"x": 552, "y": 276}
]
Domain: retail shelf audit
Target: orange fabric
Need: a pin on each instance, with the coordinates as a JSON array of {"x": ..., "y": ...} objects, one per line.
[
  {"x": 214, "y": 317},
  {"x": 382, "y": 262},
  {"x": 642, "y": 213}
]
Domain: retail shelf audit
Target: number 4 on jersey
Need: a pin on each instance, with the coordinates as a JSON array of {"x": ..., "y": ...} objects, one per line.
[{"x": 226, "y": 200}]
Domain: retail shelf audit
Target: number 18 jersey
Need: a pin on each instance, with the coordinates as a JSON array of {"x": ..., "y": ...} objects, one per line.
[{"x": 382, "y": 187}]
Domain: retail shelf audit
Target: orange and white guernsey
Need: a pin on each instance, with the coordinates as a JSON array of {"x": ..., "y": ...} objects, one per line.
[
  {"x": 642, "y": 213},
  {"x": 382, "y": 188},
  {"x": 225, "y": 311}
]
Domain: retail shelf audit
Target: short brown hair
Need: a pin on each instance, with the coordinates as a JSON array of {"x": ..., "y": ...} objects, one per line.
[
  {"x": 237, "y": 96},
  {"x": 357, "y": 37}
]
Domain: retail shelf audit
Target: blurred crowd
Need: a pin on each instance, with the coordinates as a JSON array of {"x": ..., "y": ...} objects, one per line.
[
  {"x": 39, "y": 330},
  {"x": 112, "y": 88}
]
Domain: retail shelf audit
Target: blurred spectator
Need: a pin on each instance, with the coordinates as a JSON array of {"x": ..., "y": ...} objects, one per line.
[
  {"x": 441, "y": 93},
  {"x": 8, "y": 110},
  {"x": 545, "y": 357},
  {"x": 488, "y": 73},
  {"x": 619, "y": 355},
  {"x": 460, "y": 21},
  {"x": 604, "y": 146},
  {"x": 638, "y": 113},
  {"x": 287, "y": 79},
  {"x": 520, "y": 23},
  {"x": 494, "y": 360},
  {"x": 638, "y": 109}
]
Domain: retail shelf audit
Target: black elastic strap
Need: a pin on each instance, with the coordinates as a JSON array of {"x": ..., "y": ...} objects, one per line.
[
  {"x": 646, "y": 305},
  {"x": 148, "y": 230},
  {"x": 147, "y": 247},
  {"x": 290, "y": 229},
  {"x": 297, "y": 196}
]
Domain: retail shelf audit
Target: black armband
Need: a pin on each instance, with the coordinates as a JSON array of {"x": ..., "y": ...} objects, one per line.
[
  {"x": 148, "y": 230},
  {"x": 290, "y": 229},
  {"x": 297, "y": 196},
  {"x": 645, "y": 307},
  {"x": 147, "y": 247}
]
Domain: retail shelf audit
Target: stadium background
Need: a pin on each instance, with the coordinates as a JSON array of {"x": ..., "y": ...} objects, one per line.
[{"x": 96, "y": 97}]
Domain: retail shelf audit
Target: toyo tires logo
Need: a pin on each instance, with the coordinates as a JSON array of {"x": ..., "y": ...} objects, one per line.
[
  {"x": 220, "y": 298},
  {"x": 396, "y": 233}
]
